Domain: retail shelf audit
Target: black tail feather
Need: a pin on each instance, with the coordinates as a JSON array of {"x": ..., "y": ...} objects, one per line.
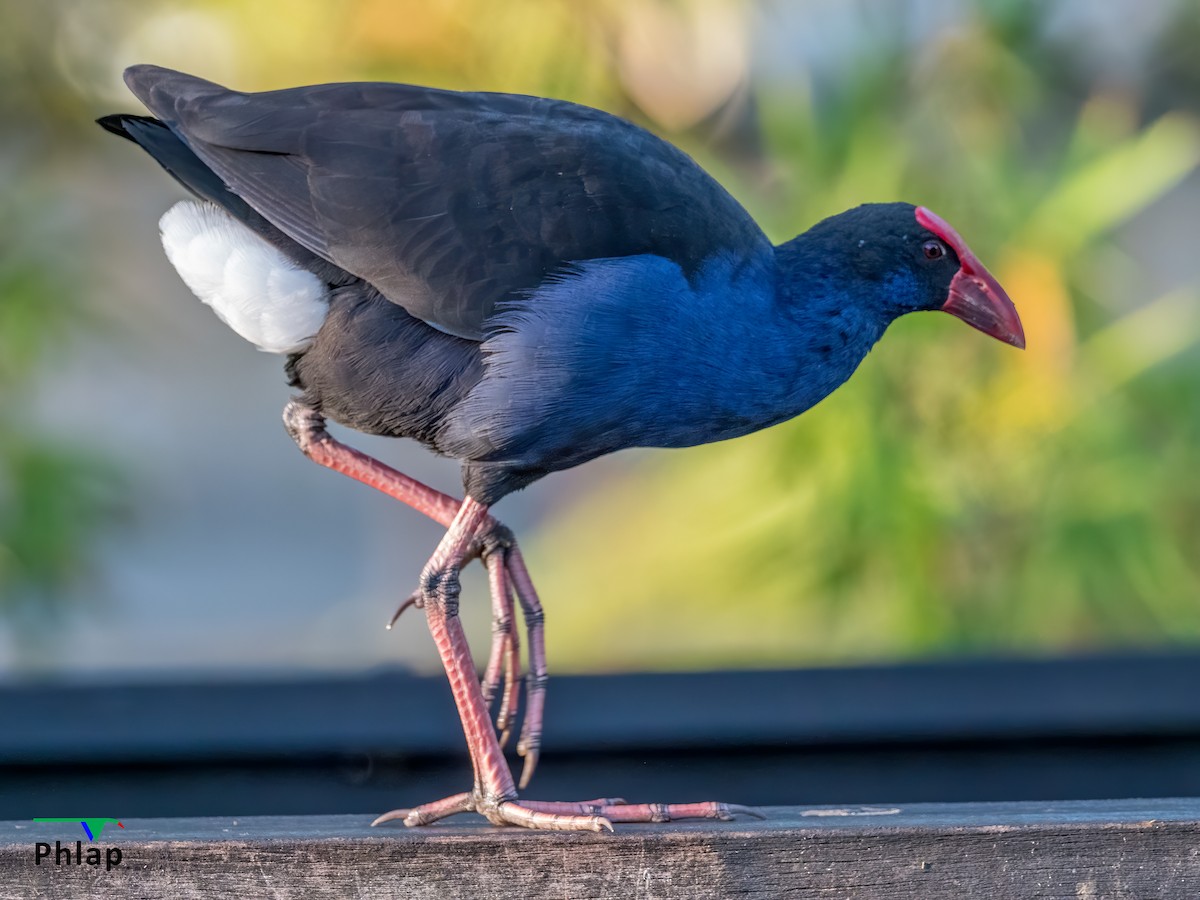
[
  {"x": 177, "y": 158},
  {"x": 170, "y": 152},
  {"x": 116, "y": 124}
]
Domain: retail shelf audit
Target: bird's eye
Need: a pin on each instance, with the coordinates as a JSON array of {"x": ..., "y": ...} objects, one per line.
[{"x": 934, "y": 249}]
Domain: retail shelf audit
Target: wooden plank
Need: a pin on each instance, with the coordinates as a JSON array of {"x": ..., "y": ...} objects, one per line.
[{"x": 1113, "y": 849}]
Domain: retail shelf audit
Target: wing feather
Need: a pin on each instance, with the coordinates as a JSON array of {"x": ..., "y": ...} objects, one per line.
[{"x": 448, "y": 203}]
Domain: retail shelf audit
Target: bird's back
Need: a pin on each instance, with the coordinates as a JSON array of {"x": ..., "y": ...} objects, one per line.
[{"x": 450, "y": 203}]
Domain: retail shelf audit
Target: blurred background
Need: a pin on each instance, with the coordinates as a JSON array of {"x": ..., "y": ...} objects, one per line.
[{"x": 955, "y": 500}]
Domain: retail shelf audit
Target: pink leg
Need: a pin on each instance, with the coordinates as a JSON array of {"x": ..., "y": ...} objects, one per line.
[
  {"x": 307, "y": 428},
  {"x": 506, "y": 647},
  {"x": 494, "y": 793},
  {"x": 439, "y": 585},
  {"x": 529, "y": 746},
  {"x": 505, "y": 657},
  {"x": 502, "y": 625},
  {"x": 494, "y": 790}
]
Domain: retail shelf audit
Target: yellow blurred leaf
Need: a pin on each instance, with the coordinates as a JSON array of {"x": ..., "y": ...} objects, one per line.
[{"x": 1034, "y": 390}]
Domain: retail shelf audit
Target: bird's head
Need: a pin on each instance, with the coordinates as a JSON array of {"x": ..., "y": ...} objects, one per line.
[{"x": 905, "y": 258}]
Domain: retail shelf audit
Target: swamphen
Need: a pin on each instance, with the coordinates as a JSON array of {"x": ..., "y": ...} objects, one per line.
[{"x": 521, "y": 284}]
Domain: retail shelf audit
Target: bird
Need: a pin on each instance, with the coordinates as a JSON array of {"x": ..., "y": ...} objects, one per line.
[{"x": 521, "y": 284}]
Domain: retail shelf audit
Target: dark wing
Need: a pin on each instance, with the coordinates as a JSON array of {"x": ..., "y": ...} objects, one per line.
[{"x": 449, "y": 202}]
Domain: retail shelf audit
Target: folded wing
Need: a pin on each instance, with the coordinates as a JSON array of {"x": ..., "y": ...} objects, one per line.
[{"x": 446, "y": 202}]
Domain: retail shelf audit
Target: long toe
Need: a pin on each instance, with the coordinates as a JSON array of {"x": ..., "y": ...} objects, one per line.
[
  {"x": 503, "y": 614},
  {"x": 525, "y": 816},
  {"x": 620, "y": 811},
  {"x": 530, "y": 742},
  {"x": 428, "y": 813},
  {"x": 584, "y": 815}
]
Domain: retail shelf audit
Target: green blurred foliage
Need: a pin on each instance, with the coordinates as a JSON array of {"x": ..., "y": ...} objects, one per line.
[
  {"x": 55, "y": 496},
  {"x": 955, "y": 496}
]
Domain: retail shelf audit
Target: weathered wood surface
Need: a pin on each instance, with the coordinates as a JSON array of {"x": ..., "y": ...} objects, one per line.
[{"x": 1139, "y": 849}]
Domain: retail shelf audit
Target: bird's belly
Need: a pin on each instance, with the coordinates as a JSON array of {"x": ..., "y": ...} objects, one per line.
[{"x": 375, "y": 368}]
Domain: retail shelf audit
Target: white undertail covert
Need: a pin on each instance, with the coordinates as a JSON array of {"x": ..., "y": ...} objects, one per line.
[{"x": 252, "y": 286}]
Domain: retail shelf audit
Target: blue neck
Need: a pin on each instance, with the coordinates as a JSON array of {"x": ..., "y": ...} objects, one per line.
[
  {"x": 827, "y": 322},
  {"x": 767, "y": 339}
]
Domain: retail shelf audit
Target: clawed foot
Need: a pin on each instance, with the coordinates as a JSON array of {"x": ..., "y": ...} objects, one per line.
[
  {"x": 507, "y": 576},
  {"x": 587, "y": 815},
  {"x": 495, "y": 795},
  {"x": 472, "y": 532}
]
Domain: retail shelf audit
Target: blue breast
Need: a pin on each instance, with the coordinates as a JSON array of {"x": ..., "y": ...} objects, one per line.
[{"x": 629, "y": 353}]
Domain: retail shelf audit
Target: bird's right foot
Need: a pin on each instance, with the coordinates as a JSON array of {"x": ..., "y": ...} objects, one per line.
[
  {"x": 495, "y": 795},
  {"x": 587, "y": 815}
]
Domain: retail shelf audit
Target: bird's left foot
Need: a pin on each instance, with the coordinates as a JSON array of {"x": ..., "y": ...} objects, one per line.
[{"x": 588, "y": 815}]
